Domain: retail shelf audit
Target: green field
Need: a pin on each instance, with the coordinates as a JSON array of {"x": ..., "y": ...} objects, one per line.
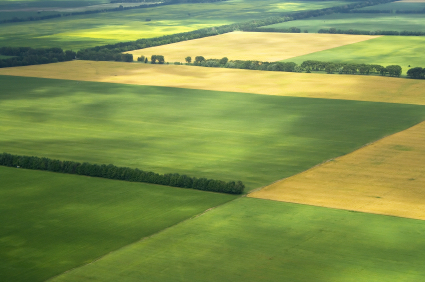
[
  {"x": 400, "y": 6},
  {"x": 220, "y": 135},
  {"x": 366, "y": 22},
  {"x": 260, "y": 240},
  {"x": 84, "y": 31},
  {"x": 385, "y": 50},
  {"x": 52, "y": 222}
]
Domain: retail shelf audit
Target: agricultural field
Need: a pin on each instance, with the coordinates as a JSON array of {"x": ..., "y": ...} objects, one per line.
[
  {"x": 386, "y": 177},
  {"x": 346, "y": 87},
  {"x": 332, "y": 164},
  {"x": 220, "y": 135},
  {"x": 85, "y": 31},
  {"x": 366, "y": 22},
  {"x": 385, "y": 50},
  {"x": 261, "y": 46},
  {"x": 398, "y": 6},
  {"x": 259, "y": 240},
  {"x": 52, "y": 222}
]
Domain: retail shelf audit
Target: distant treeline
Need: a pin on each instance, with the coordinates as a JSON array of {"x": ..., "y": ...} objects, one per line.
[
  {"x": 120, "y": 8},
  {"x": 24, "y": 56},
  {"x": 416, "y": 73},
  {"x": 388, "y": 11},
  {"x": 121, "y": 173},
  {"x": 306, "y": 66},
  {"x": 376, "y": 32},
  {"x": 253, "y": 25}
]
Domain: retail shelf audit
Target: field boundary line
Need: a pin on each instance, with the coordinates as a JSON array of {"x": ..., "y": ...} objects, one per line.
[
  {"x": 146, "y": 237},
  {"x": 326, "y": 161}
]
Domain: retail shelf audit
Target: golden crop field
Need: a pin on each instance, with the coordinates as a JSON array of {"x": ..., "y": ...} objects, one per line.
[
  {"x": 346, "y": 87},
  {"x": 260, "y": 46},
  {"x": 386, "y": 177}
]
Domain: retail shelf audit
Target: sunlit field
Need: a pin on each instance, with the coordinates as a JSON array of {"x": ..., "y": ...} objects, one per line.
[
  {"x": 311, "y": 85},
  {"x": 261, "y": 46},
  {"x": 386, "y": 177},
  {"x": 98, "y": 29}
]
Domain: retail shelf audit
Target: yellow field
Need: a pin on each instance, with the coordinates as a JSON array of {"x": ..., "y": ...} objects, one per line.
[
  {"x": 347, "y": 87},
  {"x": 260, "y": 46},
  {"x": 386, "y": 177}
]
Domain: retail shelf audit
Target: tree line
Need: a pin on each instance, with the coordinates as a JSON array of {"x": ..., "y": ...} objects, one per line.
[
  {"x": 416, "y": 73},
  {"x": 252, "y": 25},
  {"x": 53, "y": 16},
  {"x": 24, "y": 56},
  {"x": 121, "y": 173},
  {"x": 388, "y": 11},
  {"x": 306, "y": 66},
  {"x": 376, "y": 32}
]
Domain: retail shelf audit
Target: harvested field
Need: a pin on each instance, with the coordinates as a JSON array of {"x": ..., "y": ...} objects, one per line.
[
  {"x": 346, "y": 87},
  {"x": 260, "y": 46},
  {"x": 386, "y": 177}
]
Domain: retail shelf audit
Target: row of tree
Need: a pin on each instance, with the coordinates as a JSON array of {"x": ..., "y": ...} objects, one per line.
[
  {"x": 121, "y": 173},
  {"x": 52, "y": 16},
  {"x": 252, "y": 25},
  {"x": 104, "y": 55},
  {"x": 350, "y": 68},
  {"x": 376, "y": 32},
  {"x": 416, "y": 73},
  {"x": 307, "y": 66},
  {"x": 388, "y": 11},
  {"x": 24, "y": 56}
]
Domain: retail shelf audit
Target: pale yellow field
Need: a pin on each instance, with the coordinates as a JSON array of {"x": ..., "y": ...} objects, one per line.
[
  {"x": 386, "y": 177},
  {"x": 347, "y": 87},
  {"x": 412, "y": 1},
  {"x": 260, "y": 46}
]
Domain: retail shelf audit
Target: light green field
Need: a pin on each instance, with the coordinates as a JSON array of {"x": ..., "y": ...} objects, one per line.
[
  {"x": 259, "y": 240},
  {"x": 367, "y": 22},
  {"x": 400, "y": 6},
  {"x": 220, "y": 135},
  {"x": 98, "y": 29},
  {"x": 385, "y": 50},
  {"x": 52, "y": 222}
]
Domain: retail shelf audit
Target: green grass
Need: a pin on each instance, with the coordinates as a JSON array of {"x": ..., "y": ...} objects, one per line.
[
  {"x": 52, "y": 222},
  {"x": 98, "y": 29},
  {"x": 386, "y": 50},
  {"x": 367, "y": 22},
  {"x": 401, "y": 6},
  {"x": 259, "y": 240},
  {"x": 220, "y": 135},
  {"x": 5, "y": 57}
]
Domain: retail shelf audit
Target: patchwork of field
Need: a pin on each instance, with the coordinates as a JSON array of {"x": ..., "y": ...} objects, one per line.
[
  {"x": 405, "y": 5},
  {"x": 346, "y": 87},
  {"x": 367, "y": 22},
  {"x": 258, "y": 240},
  {"x": 260, "y": 46},
  {"x": 85, "y": 31},
  {"x": 386, "y": 50},
  {"x": 387, "y": 177},
  {"x": 220, "y": 135},
  {"x": 52, "y": 222}
]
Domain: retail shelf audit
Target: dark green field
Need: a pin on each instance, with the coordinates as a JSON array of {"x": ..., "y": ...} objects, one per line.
[
  {"x": 52, "y": 222},
  {"x": 259, "y": 240},
  {"x": 220, "y": 135},
  {"x": 366, "y": 22}
]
